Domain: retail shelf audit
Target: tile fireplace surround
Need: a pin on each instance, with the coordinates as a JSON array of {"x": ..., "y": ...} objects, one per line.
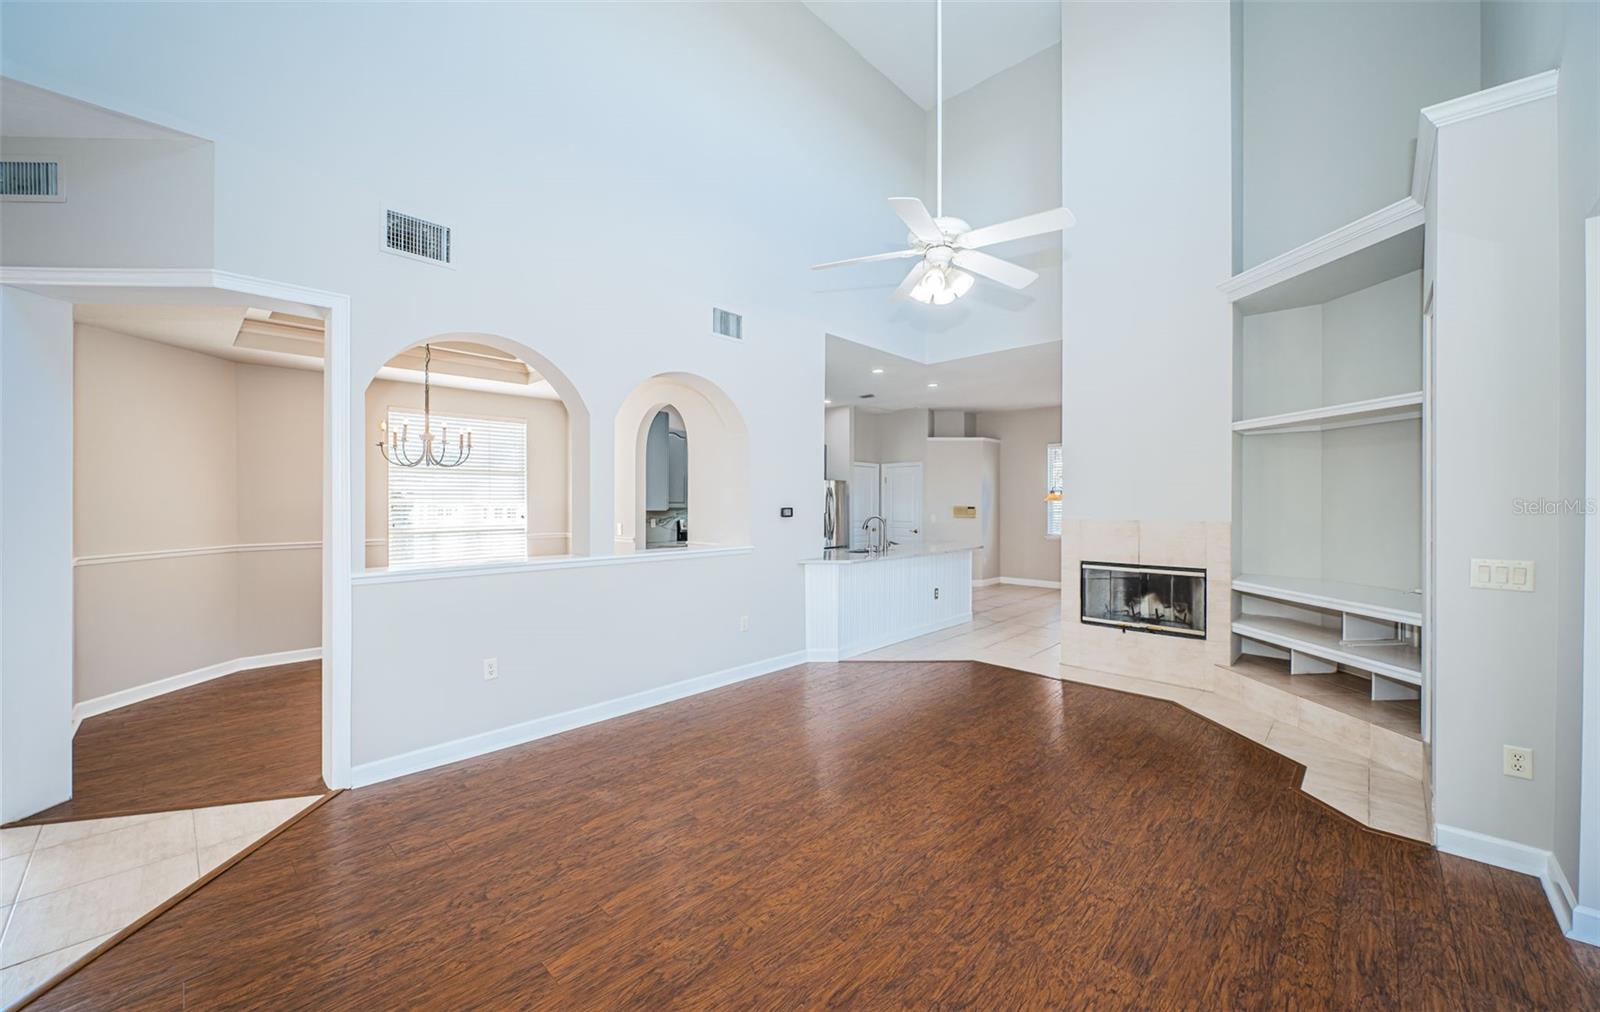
[{"x": 1203, "y": 545}]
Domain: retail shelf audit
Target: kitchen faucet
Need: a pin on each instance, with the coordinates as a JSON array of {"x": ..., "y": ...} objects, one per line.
[{"x": 883, "y": 539}]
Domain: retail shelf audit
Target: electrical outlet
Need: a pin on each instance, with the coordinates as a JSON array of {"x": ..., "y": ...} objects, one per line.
[
  {"x": 1519, "y": 762},
  {"x": 936, "y": 593},
  {"x": 744, "y": 623},
  {"x": 491, "y": 668}
]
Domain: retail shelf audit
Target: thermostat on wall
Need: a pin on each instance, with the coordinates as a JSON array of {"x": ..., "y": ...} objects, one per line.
[
  {"x": 786, "y": 511},
  {"x": 964, "y": 512}
]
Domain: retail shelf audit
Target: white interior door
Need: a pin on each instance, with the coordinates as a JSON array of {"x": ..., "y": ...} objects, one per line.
[
  {"x": 864, "y": 500},
  {"x": 902, "y": 502}
]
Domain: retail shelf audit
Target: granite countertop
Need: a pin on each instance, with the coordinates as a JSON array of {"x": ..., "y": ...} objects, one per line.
[{"x": 845, "y": 557}]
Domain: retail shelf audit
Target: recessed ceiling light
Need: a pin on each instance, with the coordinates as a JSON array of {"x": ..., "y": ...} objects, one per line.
[
  {"x": 933, "y": 386},
  {"x": 877, "y": 372},
  {"x": 827, "y": 400}
]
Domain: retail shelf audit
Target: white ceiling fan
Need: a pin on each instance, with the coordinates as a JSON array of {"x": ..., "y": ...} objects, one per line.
[{"x": 949, "y": 247}]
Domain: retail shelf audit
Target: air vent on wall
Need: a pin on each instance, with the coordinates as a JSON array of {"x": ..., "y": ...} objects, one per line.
[
  {"x": 30, "y": 180},
  {"x": 416, "y": 237},
  {"x": 727, "y": 324},
  {"x": 868, "y": 397}
]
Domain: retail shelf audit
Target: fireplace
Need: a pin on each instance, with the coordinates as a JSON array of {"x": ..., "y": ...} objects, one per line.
[{"x": 1169, "y": 600}]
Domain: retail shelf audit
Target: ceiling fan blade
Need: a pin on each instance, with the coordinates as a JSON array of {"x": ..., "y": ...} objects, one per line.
[
  {"x": 917, "y": 219},
  {"x": 1018, "y": 228},
  {"x": 904, "y": 291},
  {"x": 1003, "y": 271},
  {"x": 896, "y": 255}
]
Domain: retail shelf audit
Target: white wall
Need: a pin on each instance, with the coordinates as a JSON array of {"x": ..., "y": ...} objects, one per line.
[
  {"x": 1146, "y": 89},
  {"x": 1331, "y": 93},
  {"x": 549, "y": 489},
  {"x": 136, "y": 202},
  {"x": 1497, "y": 654},
  {"x": 1002, "y": 144},
  {"x": 539, "y": 194},
  {"x": 1520, "y": 39},
  {"x": 719, "y": 461},
  {"x": 1026, "y": 552},
  {"x": 35, "y": 553},
  {"x": 238, "y": 462}
]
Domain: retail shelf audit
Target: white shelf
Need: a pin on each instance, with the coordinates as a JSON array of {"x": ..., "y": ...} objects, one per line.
[
  {"x": 1385, "y": 244},
  {"x": 1379, "y": 603},
  {"x": 1395, "y": 408},
  {"x": 1400, "y": 663}
]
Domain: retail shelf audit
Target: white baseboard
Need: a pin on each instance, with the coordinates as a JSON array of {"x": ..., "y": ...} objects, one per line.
[
  {"x": 1513, "y": 856},
  {"x": 475, "y": 745},
  {"x": 1018, "y": 581},
  {"x": 150, "y": 690},
  {"x": 1585, "y": 925}
]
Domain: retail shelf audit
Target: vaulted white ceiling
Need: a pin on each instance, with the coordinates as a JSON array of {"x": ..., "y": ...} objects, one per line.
[
  {"x": 1028, "y": 377},
  {"x": 980, "y": 38}
]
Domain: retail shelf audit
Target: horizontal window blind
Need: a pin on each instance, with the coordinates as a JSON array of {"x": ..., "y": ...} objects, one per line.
[
  {"x": 477, "y": 512},
  {"x": 1054, "y": 482}
]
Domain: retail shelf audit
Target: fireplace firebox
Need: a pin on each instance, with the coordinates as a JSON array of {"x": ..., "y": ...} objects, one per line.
[{"x": 1168, "y": 600}]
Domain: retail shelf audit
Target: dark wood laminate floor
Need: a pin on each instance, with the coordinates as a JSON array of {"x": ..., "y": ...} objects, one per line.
[
  {"x": 250, "y": 736},
  {"x": 873, "y": 834}
]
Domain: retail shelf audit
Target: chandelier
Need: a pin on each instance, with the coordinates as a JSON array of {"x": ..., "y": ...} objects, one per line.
[{"x": 396, "y": 446}]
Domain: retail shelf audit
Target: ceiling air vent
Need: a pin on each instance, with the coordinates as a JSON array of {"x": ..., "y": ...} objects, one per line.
[
  {"x": 415, "y": 237},
  {"x": 30, "y": 180},
  {"x": 727, "y": 324}
]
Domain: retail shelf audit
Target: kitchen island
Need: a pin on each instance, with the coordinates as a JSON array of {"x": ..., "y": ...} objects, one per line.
[{"x": 856, "y": 602}]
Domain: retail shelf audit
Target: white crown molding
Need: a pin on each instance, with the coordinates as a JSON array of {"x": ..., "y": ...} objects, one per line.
[
  {"x": 431, "y": 756},
  {"x": 114, "y": 558},
  {"x": 1481, "y": 103},
  {"x": 1386, "y": 222},
  {"x": 139, "y": 693}
]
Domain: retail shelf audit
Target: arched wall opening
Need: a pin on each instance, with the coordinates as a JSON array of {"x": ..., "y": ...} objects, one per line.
[
  {"x": 717, "y": 467},
  {"x": 521, "y": 491}
]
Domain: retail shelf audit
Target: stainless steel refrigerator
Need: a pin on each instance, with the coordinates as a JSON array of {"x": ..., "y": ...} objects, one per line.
[{"x": 835, "y": 514}]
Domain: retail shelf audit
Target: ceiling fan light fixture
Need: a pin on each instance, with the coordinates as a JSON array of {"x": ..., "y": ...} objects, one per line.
[
  {"x": 944, "y": 296},
  {"x": 960, "y": 282}
]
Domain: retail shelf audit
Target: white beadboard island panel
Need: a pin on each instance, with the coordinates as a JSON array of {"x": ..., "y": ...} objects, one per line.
[{"x": 857, "y": 603}]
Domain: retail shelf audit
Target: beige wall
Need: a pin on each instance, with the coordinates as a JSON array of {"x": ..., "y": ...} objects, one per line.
[
  {"x": 178, "y": 450},
  {"x": 964, "y": 472},
  {"x": 890, "y": 437},
  {"x": 719, "y": 461},
  {"x": 548, "y": 475},
  {"x": 1025, "y": 552}
]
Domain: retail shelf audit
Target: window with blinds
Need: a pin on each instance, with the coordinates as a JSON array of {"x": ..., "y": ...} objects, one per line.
[
  {"x": 477, "y": 512},
  {"x": 1054, "y": 484}
]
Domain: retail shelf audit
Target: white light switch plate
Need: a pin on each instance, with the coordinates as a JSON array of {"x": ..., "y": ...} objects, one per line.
[{"x": 1502, "y": 574}]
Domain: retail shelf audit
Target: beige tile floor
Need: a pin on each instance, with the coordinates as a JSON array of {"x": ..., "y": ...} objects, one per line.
[
  {"x": 1020, "y": 627},
  {"x": 67, "y": 887}
]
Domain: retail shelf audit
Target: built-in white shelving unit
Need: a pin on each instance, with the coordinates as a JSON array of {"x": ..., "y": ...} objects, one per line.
[
  {"x": 1330, "y": 409},
  {"x": 1395, "y": 408},
  {"x": 1380, "y": 603},
  {"x": 1400, "y": 661}
]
